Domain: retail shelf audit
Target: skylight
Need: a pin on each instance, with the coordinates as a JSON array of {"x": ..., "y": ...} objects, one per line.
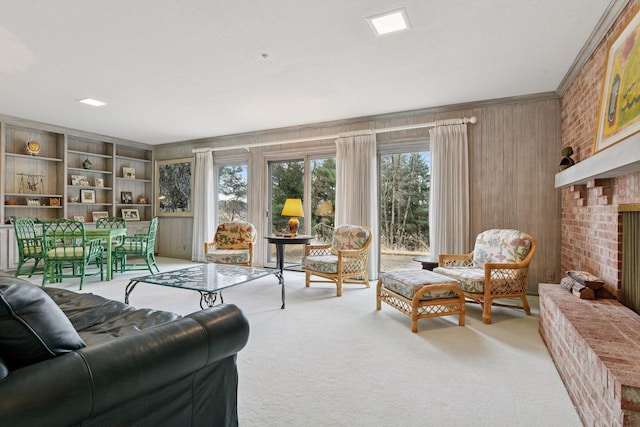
[
  {"x": 92, "y": 102},
  {"x": 389, "y": 22}
]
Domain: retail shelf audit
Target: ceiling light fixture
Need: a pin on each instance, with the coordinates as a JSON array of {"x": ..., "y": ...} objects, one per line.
[
  {"x": 92, "y": 102},
  {"x": 389, "y": 22}
]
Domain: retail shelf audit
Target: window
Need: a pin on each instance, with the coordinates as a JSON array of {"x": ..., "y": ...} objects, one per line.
[
  {"x": 404, "y": 208},
  {"x": 232, "y": 193}
]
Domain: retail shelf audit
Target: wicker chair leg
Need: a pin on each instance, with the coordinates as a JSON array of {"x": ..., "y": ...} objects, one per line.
[
  {"x": 486, "y": 311},
  {"x": 339, "y": 286},
  {"x": 378, "y": 301},
  {"x": 307, "y": 279},
  {"x": 525, "y": 305}
]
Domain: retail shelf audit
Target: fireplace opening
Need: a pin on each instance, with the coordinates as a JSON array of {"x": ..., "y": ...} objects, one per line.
[{"x": 630, "y": 286}]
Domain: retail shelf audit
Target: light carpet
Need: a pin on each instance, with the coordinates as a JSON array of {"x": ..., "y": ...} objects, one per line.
[{"x": 328, "y": 361}]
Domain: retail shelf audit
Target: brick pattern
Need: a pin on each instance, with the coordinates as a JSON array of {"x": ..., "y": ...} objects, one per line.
[
  {"x": 591, "y": 226},
  {"x": 595, "y": 345}
]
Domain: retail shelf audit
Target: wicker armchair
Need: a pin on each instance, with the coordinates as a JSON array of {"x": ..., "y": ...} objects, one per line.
[
  {"x": 232, "y": 244},
  {"x": 496, "y": 269},
  {"x": 344, "y": 260}
]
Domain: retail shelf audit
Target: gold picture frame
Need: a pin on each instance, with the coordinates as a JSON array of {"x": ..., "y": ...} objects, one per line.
[
  {"x": 619, "y": 111},
  {"x": 174, "y": 187}
]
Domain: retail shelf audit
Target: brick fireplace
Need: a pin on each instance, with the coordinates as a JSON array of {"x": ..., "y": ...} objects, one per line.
[{"x": 595, "y": 344}]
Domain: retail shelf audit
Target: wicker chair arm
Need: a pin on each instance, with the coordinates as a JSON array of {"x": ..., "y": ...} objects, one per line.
[
  {"x": 208, "y": 246},
  {"x": 455, "y": 260},
  {"x": 317, "y": 250}
]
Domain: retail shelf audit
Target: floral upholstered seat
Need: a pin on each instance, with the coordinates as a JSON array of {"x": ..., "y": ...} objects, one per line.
[
  {"x": 342, "y": 261},
  {"x": 497, "y": 268},
  {"x": 232, "y": 244}
]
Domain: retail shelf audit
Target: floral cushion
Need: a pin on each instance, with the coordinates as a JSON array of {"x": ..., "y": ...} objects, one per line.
[
  {"x": 235, "y": 235},
  {"x": 347, "y": 237},
  {"x": 228, "y": 256},
  {"x": 408, "y": 282},
  {"x": 471, "y": 279},
  {"x": 323, "y": 264},
  {"x": 500, "y": 246}
]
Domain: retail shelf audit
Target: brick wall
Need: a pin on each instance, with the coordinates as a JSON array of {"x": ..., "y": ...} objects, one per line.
[{"x": 590, "y": 222}]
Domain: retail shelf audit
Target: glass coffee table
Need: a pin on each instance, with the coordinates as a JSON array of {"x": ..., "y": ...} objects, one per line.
[{"x": 208, "y": 279}]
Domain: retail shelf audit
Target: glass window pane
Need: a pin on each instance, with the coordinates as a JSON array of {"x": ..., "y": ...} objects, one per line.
[
  {"x": 232, "y": 193},
  {"x": 404, "y": 209},
  {"x": 323, "y": 197}
]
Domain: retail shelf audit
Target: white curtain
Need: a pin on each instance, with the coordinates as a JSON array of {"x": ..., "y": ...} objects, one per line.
[
  {"x": 356, "y": 190},
  {"x": 204, "y": 209},
  {"x": 449, "y": 206}
]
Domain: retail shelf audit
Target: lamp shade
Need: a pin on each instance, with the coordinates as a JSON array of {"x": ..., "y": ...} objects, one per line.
[{"x": 292, "y": 207}]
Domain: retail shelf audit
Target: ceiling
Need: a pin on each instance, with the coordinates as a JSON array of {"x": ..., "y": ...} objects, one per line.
[{"x": 179, "y": 70}]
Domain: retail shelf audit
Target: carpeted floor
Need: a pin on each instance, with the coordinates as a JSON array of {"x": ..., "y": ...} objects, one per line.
[{"x": 328, "y": 361}]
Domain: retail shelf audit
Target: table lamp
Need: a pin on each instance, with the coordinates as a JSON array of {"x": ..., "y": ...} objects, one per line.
[{"x": 293, "y": 209}]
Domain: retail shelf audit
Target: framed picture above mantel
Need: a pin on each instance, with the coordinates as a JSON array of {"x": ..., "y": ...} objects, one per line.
[
  {"x": 619, "y": 114},
  {"x": 174, "y": 187}
]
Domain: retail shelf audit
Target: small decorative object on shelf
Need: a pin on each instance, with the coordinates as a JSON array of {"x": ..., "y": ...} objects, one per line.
[
  {"x": 30, "y": 183},
  {"x": 142, "y": 200},
  {"x": 74, "y": 199},
  {"x": 131, "y": 214},
  {"x": 54, "y": 201},
  {"x": 87, "y": 164},
  {"x": 98, "y": 182},
  {"x": 10, "y": 202},
  {"x": 33, "y": 202},
  {"x": 128, "y": 173},
  {"x": 87, "y": 196},
  {"x": 80, "y": 180},
  {"x": 32, "y": 148},
  {"x": 99, "y": 214},
  {"x": 566, "y": 161},
  {"x": 126, "y": 197},
  {"x": 78, "y": 218}
]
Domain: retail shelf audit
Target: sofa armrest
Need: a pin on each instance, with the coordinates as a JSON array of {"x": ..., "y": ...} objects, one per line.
[{"x": 79, "y": 385}]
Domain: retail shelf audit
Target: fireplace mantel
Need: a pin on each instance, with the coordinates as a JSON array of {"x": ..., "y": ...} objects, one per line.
[{"x": 620, "y": 159}]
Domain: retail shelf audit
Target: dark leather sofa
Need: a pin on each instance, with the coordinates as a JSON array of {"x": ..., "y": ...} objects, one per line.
[{"x": 131, "y": 367}]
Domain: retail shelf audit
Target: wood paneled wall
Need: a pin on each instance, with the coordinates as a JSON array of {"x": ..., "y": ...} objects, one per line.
[{"x": 514, "y": 155}]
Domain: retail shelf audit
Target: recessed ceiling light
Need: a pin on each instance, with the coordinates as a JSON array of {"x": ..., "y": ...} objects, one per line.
[
  {"x": 92, "y": 102},
  {"x": 389, "y": 22}
]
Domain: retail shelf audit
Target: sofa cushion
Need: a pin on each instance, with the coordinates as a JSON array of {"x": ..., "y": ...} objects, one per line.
[
  {"x": 408, "y": 282},
  {"x": 471, "y": 279},
  {"x": 32, "y": 327},
  {"x": 229, "y": 256},
  {"x": 347, "y": 237}
]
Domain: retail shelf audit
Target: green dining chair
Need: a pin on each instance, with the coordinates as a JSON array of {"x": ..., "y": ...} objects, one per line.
[
  {"x": 29, "y": 244},
  {"x": 68, "y": 252},
  {"x": 139, "y": 245}
]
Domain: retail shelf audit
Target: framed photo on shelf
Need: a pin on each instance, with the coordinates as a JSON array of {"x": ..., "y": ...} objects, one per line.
[
  {"x": 87, "y": 196},
  {"x": 174, "y": 184},
  {"x": 126, "y": 197},
  {"x": 128, "y": 173},
  {"x": 98, "y": 182},
  {"x": 79, "y": 180},
  {"x": 96, "y": 215},
  {"x": 619, "y": 110},
  {"x": 78, "y": 218},
  {"x": 130, "y": 214}
]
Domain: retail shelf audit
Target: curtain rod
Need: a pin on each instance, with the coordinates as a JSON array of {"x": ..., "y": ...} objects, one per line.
[{"x": 464, "y": 120}]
